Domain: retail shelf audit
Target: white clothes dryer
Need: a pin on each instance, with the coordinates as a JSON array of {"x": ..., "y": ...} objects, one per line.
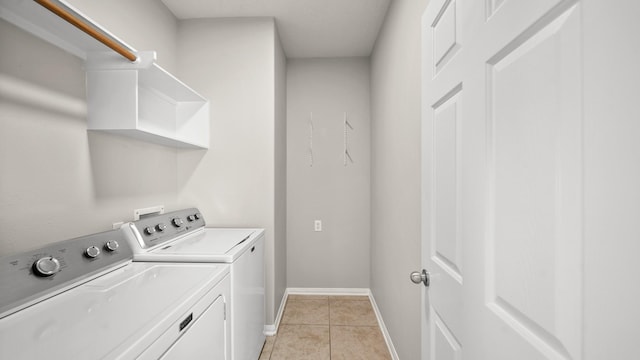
[
  {"x": 181, "y": 236},
  {"x": 85, "y": 299}
]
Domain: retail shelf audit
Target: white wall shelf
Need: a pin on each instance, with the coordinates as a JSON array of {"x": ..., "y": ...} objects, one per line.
[
  {"x": 138, "y": 99},
  {"x": 144, "y": 101}
]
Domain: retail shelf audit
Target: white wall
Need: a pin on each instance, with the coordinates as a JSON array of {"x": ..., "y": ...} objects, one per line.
[
  {"x": 232, "y": 63},
  {"x": 395, "y": 173},
  {"x": 337, "y": 257},
  {"x": 58, "y": 181}
]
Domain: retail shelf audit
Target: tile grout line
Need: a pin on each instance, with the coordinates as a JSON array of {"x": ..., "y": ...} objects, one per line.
[{"x": 329, "y": 315}]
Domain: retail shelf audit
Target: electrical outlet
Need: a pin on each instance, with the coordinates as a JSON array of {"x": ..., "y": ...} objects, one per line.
[{"x": 317, "y": 225}]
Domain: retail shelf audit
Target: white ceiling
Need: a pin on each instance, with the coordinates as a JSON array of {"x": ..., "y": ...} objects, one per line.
[{"x": 307, "y": 28}]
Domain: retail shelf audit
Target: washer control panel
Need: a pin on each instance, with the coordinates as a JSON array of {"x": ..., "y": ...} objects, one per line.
[
  {"x": 30, "y": 276},
  {"x": 158, "y": 229}
]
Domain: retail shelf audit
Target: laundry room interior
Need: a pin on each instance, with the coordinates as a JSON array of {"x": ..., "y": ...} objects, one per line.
[
  {"x": 312, "y": 131},
  {"x": 259, "y": 170}
]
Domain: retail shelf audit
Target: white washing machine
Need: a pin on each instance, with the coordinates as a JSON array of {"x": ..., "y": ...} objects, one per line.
[
  {"x": 181, "y": 236},
  {"x": 85, "y": 299}
]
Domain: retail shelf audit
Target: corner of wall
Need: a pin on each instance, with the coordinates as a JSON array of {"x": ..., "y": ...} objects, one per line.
[{"x": 280, "y": 174}]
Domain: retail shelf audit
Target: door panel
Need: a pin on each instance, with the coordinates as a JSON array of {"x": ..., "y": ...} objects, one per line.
[
  {"x": 445, "y": 261},
  {"x": 445, "y": 242},
  {"x": 445, "y": 344},
  {"x": 444, "y": 34},
  {"x": 441, "y": 152},
  {"x": 502, "y": 179},
  {"x": 534, "y": 239}
]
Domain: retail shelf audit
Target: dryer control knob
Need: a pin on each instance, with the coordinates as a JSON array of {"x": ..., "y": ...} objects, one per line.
[
  {"x": 149, "y": 230},
  {"x": 111, "y": 245},
  {"x": 191, "y": 218},
  {"x": 46, "y": 266},
  {"x": 161, "y": 227},
  {"x": 177, "y": 222},
  {"x": 92, "y": 252},
  {"x": 197, "y": 216}
]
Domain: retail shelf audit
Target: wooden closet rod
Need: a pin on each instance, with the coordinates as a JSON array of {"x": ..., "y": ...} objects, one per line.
[{"x": 81, "y": 24}]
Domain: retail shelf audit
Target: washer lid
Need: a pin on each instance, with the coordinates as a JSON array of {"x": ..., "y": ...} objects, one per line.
[
  {"x": 120, "y": 312},
  {"x": 210, "y": 245}
]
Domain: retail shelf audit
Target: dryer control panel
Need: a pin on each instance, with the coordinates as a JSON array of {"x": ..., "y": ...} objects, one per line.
[
  {"x": 158, "y": 229},
  {"x": 32, "y": 276}
]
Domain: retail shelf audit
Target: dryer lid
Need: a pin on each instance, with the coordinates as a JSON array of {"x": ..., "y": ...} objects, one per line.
[{"x": 215, "y": 245}]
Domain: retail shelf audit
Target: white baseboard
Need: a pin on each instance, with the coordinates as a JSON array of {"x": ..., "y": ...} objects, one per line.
[
  {"x": 383, "y": 328},
  {"x": 271, "y": 330},
  {"x": 328, "y": 291}
]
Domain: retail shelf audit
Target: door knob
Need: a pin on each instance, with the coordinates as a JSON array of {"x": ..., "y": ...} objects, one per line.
[{"x": 420, "y": 277}]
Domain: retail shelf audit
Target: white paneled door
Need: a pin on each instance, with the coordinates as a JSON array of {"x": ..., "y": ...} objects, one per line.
[{"x": 507, "y": 190}]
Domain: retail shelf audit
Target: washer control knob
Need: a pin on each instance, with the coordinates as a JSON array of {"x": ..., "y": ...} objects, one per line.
[
  {"x": 149, "y": 230},
  {"x": 191, "y": 218},
  {"x": 111, "y": 245},
  {"x": 197, "y": 216},
  {"x": 177, "y": 222},
  {"x": 92, "y": 252},
  {"x": 46, "y": 266},
  {"x": 161, "y": 227}
]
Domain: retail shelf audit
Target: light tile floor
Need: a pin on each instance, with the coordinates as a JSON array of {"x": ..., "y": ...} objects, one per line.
[{"x": 327, "y": 327}]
